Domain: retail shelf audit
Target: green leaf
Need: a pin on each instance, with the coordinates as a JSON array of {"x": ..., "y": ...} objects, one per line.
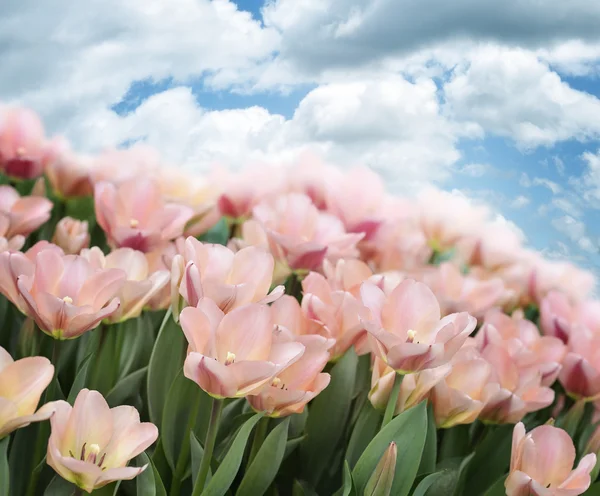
[
  {"x": 301, "y": 488},
  {"x": 408, "y": 430},
  {"x": 148, "y": 483},
  {"x": 455, "y": 442},
  {"x": 292, "y": 444},
  {"x": 424, "y": 486},
  {"x": 347, "y": 488},
  {"x": 165, "y": 362},
  {"x": 497, "y": 488},
  {"x": 4, "y": 470},
  {"x": 82, "y": 208},
  {"x": 126, "y": 388},
  {"x": 197, "y": 454},
  {"x": 218, "y": 234},
  {"x": 594, "y": 490},
  {"x": 80, "y": 379},
  {"x": 187, "y": 408},
  {"x": 225, "y": 474},
  {"x": 264, "y": 467},
  {"x": 491, "y": 460},
  {"x": 327, "y": 418},
  {"x": 364, "y": 431},
  {"x": 429, "y": 456},
  {"x": 59, "y": 487}
]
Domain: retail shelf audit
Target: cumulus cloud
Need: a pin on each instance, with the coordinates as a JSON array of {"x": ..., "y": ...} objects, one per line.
[
  {"x": 510, "y": 92},
  {"x": 590, "y": 182},
  {"x": 520, "y": 202},
  {"x": 575, "y": 231}
]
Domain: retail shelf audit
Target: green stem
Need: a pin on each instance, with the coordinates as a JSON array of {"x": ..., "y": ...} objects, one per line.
[
  {"x": 209, "y": 446},
  {"x": 259, "y": 437},
  {"x": 392, "y": 401}
]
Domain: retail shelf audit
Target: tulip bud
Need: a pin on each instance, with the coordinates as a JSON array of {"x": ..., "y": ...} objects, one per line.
[
  {"x": 71, "y": 235},
  {"x": 382, "y": 478}
]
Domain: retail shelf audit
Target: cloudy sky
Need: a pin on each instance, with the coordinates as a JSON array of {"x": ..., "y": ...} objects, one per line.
[{"x": 500, "y": 100}]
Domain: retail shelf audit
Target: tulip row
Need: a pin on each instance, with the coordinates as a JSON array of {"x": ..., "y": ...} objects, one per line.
[{"x": 279, "y": 331}]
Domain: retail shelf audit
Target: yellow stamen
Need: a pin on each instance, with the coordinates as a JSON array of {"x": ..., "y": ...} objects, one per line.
[
  {"x": 230, "y": 358},
  {"x": 411, "y": 335},
  {"x": 134, "y": 223},
  {"x": 68, "y": 299},
  {"x": 21, "y": 151},
  {"x": 276, "y": 382},
  {"x": 94, "y": 449}
]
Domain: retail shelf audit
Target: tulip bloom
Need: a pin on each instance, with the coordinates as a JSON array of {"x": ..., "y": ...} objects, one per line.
[
  {"x": 69, "y": 177},
  {"x": 23, "y": 215},
  {"x": 297, "y": 384},
  {"x": 134, "y": 214},
  {"x": 229, "y": 279},
  {"x": 580, "y": 374},
  {"x": 67, "y": 296},
  {"x": 405, "y": 327},
  {"x": 233, "y": 355},
  {"x": 140, "y": 285},
  {"x": 90, "y": 444},
  {"x": 414, "y": 388},
  {"x": 71, "y": 235},
  {"x": 541, "y": 464},
  {"x": 21, "y": 386}
]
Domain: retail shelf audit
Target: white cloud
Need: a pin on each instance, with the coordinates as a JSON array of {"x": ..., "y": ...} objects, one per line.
[
  {"x": 566, "y": 206},
  {"x": 476, "y": 170},
  {"x": 590, "y": 181},
  {"x": 559, "y": 164},
  {"x": 575, "y": 231},
  {"x": 509, "y": 92},
  {"x": 520, "y": 202},
  {"x": 546, "y": 183}
]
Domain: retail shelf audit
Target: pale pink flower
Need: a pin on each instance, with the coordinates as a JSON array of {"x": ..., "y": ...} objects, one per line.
[
  {"x": 314, "y": 178},
  {"x": 159, "y": 260},
  {"x": 541, "y": 464},
  {"x": 558, "y": 314},
  {"x": 14, "y": 264},
  {"x": 357, "y": 200},
  {"x": 134, "y": 214},
  {"x": 302, "y": 236},
  {"x": 91, "y": 444},
  {"x": 121, "y": 165},
  {"x": 461, "y": 395},
  {"x": 233, "y": 355},
  {"x": 414, "y": 388},
  {"x": 405, "y": 327},
  {"x": 22, "y": 214},
  {"x": 457, "y": 292},
  {"x": 296, "y": 385},
  {"x": 214, "y": 271},
  {"x": 580, "y": 374},
  {"x": 347, "y": 275},
  {"x": 22, "y": 383},
  {"x": 67, "y": 296},
  {"x": 140, "y": 285},
  {"x": 69, "y": 175},
  {"x": 23, "y": 148},
  {"x": 72, "y": 235},
  {"x": 287, "y": 312},
  {"x": 517, "y": 392}
]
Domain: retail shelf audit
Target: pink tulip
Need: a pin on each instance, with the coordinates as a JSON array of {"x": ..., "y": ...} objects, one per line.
[
  {"x": 457, "y": 292},
  {"x": 71, "y": 235},
  {"x": 461, "y": 395},
  {"x": 134, "y": 215},
  {"x": 122, "y": 165},
  {"x": 139, "y": 287},
  {"x": 287, "y": 312},
  {"x": 347, "y": 275},
  {"x": 233, "y": 355},
  {"x": 522, "y": 340},
  {"x": 541, "y": 464},
  {"x": 516, "y": 392},
  {"x": 302, "y": 236},
  {"x": 22, "y": 143},
  {"x": 91, "y": 444},
  {"x": 159, "y": 260},
  {"x": 69, "y": 176},
  {"x": 580, "y": 374},
  {"x": 21, "y": 386},
  {"x": 22, "y": 214},
  {"x": 556, "y": 315},
  {"x": 297, "y": 384},
  {"x": 214, "y": 271},
  {"x": 67, "y": 296},
  {"x": 405, "y": 327},
  {"x": 414, "y": 388},
  {"x": 357, "y": 200},
  {"x": 15, "y": 264}
]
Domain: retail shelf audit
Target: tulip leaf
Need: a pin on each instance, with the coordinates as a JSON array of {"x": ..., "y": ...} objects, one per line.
[
  {"x": 165, "y": 362},
  {"x": 497, "y": 488},
  {"x": 148, "y": 483},
  {"x": 364, "y": 431},
  {"x": 197, "y": 454},
  {"x": 408, "y": 430},
  {"x": 327, "y": 418},
  {"x": 491, "y": 459},
  {"x": 292, "y": 444},
  {"x": 186, "y": 408},
  {"x": 126, "y": 388},
  {"x": 594, "y": 490},
  {"x": 301, "y": 488},
  {"x": 263, "y": 469},
  {"x": 59, "y": 487},
  {"x": 225, "y": 474},
  {"x": 80, "y": 379},
  {"x": 424, "y": 486},
  {"x": 218, "y": 234},
  {"x": 4, "y": 470},
  {"x": 430, "y": 451},
  {"x": 347, "y": 488},
  {"x": 455, "y": 442}
]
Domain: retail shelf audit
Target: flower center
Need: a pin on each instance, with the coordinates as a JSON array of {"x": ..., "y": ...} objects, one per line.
[
  {"x": 68, "y": 299},
  {"x": 230, "y": 358},
  {"x": 21, "y": 151},
  {"x": 410, "y": 336},
  {"x": 134, "y": 223},
  {"x": 90, "y": 455}
]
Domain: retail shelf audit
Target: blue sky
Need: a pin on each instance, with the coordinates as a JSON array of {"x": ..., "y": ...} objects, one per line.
[{"x": 501, "y": 104}]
